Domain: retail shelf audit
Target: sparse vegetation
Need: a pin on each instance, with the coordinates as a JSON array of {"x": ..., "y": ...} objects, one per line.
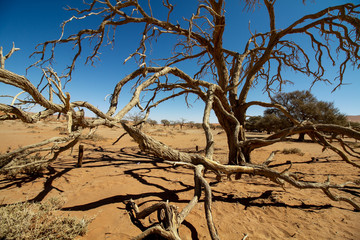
[
  {"x": 30, "y": 165},
  {"x": 181, "y": 132},
  {"x": 165, "y": 122},
  {"x": 28, "y": 221},
  {"x": 95, "y": 137},
  {"x": 135, "y": 118},
  {"x": 292, "y": 151},
  {"x": 61, "y": 130},
  {"x": 151, "y": 122}
]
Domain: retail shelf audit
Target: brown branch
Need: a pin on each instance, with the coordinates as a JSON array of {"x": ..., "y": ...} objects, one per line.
[
  {"x": 330, "y": 128},
  {"x": 209, "y": 149},
  {"x": 353, "y": 152},
  {"x": 111, "y": 13},
  {"x": 273, "y": 105},
  {"x": 314, "y": 130},
  {"x": 270, "y": 159},
  {"x": 24, "y": 116},
  {"x": 326, "y": 144},
  {"x": 150, "y": 145},
  {"x": 208, "y": 202},
  {"x": 23, "y": 83},
  {"x": 7, "y": 158}
]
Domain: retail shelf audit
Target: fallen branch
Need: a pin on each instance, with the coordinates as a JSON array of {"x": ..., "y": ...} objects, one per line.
[
  {"x": 150, "y": 145},
  {"x": 21, "y": 153}
]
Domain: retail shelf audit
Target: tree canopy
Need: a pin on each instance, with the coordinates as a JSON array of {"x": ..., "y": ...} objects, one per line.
[{"x": 303, "y": 105}]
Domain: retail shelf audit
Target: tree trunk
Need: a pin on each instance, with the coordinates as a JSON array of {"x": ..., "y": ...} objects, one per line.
[
  {"x": 233, "y": 155},
  {"x": 301, "y": 137},
  {"x": 236, "y": 155}
]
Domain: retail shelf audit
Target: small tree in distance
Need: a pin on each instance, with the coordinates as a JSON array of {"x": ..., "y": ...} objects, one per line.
[
  {"x": 165, "y": 122},
  {"x": 304, "y": 106},
  {"x": 182, "y": 122},
  {"x": 269, "y": 123},
  {"x": 135, "y": 118},
  {"x": 152, "y": 122}
]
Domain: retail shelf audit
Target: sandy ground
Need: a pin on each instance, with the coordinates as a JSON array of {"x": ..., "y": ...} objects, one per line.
[{"x": 113, "y": 174}]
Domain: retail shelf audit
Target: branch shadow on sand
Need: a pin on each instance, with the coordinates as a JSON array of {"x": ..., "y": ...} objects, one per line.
[{"x": 144, "y": 176}]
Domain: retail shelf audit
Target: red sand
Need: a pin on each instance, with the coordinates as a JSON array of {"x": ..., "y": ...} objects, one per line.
[{"x": 112, "y": 174}]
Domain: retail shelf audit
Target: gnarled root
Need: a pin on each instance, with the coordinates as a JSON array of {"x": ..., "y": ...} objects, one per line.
[{"x": 168, "y": 216}]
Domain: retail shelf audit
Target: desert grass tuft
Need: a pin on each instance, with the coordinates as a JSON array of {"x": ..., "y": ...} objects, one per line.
[
  {"x": 95, "y": 137},
  {"x": 25, "y": 221},
  {"x": 292, "y": 151},
  {"x": 62, "y": 130}
]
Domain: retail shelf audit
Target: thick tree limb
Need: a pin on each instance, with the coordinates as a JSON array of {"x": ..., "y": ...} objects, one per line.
[
  {"x": 150, "y": 145},
  {"x": 209, "y": 149},
  {"x": 23, "y": 83}
]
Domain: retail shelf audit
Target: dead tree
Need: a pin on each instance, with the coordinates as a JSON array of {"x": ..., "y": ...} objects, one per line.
[{"x": 199, "y": 38}]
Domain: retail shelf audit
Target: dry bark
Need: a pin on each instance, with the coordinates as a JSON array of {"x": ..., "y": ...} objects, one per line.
[
  {"x": 4, "y": 58},
  {"x": 168, "y": 216},
  {"x": 53, "y": 152}
]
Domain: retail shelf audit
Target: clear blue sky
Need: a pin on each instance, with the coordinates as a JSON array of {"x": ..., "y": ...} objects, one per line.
[{"x": 28, "y": 23}]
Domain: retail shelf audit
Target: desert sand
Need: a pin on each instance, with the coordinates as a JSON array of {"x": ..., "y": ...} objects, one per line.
[{"x": 252, "y": 206}]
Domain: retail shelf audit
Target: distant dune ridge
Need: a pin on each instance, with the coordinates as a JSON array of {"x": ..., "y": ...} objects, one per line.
[{"x": 353, "y": 118}]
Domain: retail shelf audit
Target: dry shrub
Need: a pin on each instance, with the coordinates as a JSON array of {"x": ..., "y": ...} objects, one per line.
[
  {"x": 14, "y": 168},
  {"x": 95, "y": 137},
  {"x": 170, "y": 132},
  {"x": 292, "y": 151},
  {"x": 62, "y": 130},
  {"x": 159, "y": 130},
  {"x": 181, "y": 132},
  {"x": 24, "y": 221},
  {"x": 33, "y": 131}
]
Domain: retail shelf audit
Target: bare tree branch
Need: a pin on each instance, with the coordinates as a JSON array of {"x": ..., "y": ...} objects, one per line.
[
  {"x": 4, "y": 58},
  {"x": 22, "y": 152},
  {"x": 150, "y": 145}
]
